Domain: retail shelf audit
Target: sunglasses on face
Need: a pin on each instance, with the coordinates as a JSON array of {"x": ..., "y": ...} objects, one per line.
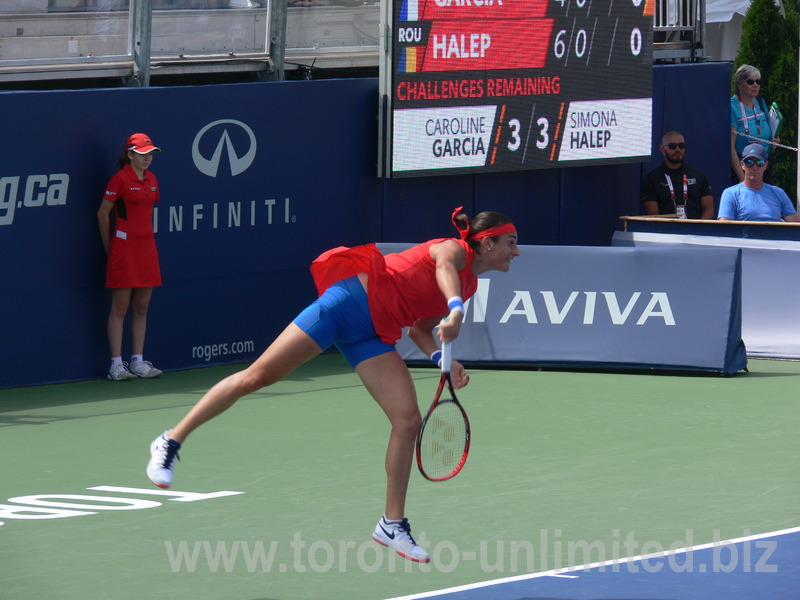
[
  {"x": 754, "y": 161},
  {"x": 752, "y": 81},
  {"x": 673, "y": 145}
]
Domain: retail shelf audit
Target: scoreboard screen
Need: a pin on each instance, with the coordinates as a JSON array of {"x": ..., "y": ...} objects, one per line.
[{"x": 473, "y": 86}]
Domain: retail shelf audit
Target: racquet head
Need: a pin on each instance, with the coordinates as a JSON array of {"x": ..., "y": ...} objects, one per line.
[{"x": 443, "y": 440}]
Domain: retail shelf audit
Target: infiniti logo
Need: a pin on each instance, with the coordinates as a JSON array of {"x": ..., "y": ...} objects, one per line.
[{"x": 238, "y": 164}]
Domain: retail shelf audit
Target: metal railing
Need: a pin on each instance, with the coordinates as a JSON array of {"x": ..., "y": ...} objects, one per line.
[
  {"x": 68, "y": 39},
  {"x": 72, "y": 39},
  {"x": 679, "y": 30}
]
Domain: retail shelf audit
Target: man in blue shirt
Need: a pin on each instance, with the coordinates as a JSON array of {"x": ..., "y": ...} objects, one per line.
[{"x": 754, "y": 200}]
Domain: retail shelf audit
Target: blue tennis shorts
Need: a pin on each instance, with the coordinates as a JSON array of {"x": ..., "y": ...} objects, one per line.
[{"x": 341, "y": 317}]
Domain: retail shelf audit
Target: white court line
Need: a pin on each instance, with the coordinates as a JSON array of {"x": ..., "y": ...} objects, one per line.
[{"x": 595, "y": 565}]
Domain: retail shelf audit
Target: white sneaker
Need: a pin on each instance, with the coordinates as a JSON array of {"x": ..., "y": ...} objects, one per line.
[
  {"x": 397, "y": 536},
  {"x": 120, "y": 372},
  {"x": 163, "y": 452},
  {"x": 144, "y": 369}
]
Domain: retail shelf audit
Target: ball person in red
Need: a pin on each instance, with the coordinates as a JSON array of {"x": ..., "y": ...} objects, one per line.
[{"x": 133, "y": 269}]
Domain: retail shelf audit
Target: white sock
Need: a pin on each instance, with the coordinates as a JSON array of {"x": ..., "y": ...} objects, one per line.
[
  {"x": 116, "y": 360},
  {"x": 392, "y": 520},
  {"x": 135, "y": 357}
]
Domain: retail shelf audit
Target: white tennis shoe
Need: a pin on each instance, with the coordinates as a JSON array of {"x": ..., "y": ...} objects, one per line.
[
  {"x": 163, "y": 452},
  {"x": 120, "y": 372},
  {"x": 144, "y": 369},
  {"x": 397, "y": 536}
]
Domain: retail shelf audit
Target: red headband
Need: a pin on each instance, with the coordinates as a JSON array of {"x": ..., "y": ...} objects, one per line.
[
  {"x": 489, "y": 232},
  {"x": 494, "y": 231}
]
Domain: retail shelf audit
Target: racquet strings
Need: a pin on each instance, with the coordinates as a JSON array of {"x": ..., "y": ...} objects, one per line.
[{"x": 443, "y": 440}]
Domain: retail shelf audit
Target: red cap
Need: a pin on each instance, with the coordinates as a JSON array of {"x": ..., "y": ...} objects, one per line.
[{"x": 141, "y": 144}]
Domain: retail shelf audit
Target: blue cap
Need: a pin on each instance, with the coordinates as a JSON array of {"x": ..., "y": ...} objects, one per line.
[{"x": 754, "y": 151}]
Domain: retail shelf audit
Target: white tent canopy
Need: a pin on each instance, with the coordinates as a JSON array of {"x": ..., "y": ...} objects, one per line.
[
  {"x": 722, "y": 11},
  {"x": 724, "y": 27}
]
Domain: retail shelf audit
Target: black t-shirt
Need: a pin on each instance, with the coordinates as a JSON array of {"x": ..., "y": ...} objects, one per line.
[{"x": 656, "y": 189}]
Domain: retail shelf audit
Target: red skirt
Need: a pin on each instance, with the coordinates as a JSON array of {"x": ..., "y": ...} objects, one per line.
[
  {"x": 343, "y": 262},
  {"x": 133, "y": 262}
]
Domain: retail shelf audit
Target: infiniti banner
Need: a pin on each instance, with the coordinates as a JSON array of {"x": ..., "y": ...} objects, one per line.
[{"x": 606, "y": 308}]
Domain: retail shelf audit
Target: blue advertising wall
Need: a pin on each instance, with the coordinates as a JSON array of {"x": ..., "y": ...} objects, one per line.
[
  {"x": 256, "y": 181},
  {"x": 633, "y": 308}
]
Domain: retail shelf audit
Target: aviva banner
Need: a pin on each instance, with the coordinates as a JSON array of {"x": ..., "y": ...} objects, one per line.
[{"x": 606, "y": 308}]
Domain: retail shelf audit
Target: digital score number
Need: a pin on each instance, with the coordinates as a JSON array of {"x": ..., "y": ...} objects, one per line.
[{"x": 503, "y": 85}]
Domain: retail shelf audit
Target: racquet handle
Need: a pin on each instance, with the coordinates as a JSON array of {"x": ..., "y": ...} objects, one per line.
[{"x": 446, "y": 357}]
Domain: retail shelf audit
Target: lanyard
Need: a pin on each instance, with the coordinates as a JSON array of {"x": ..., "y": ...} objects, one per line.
[
  {"x": 745, "y": 117},
  {"x": 672, "y": 189}
]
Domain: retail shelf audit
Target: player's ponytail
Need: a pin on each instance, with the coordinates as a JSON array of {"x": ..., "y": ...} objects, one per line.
[{"x": 487, "y": 224}]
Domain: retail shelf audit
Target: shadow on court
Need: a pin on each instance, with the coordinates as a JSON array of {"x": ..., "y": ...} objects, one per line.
[{"x": 179, "y": 388}]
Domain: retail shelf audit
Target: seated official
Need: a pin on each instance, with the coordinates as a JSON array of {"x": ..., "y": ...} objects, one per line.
[
  {"x": 675, "y": 184},
  {"x": 754, "y": 200}
]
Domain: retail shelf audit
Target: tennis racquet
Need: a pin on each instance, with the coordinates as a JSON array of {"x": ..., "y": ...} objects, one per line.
[{"x": 443, "y": 440}]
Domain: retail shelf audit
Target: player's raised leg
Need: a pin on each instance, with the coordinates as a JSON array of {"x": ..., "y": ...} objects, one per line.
[{"x": 291, "y": 349}]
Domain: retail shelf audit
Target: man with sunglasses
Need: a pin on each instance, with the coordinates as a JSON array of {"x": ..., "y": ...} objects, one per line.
[
  {"x": 754, "y": 200},
  {"x": 675, "y": 187}
]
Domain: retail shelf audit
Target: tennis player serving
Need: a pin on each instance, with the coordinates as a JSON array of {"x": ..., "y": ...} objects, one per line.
[{"x": 365, "y": 301}]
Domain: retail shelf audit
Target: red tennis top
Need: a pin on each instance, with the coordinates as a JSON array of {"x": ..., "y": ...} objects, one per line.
[{"x": 402, "y": 286}]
